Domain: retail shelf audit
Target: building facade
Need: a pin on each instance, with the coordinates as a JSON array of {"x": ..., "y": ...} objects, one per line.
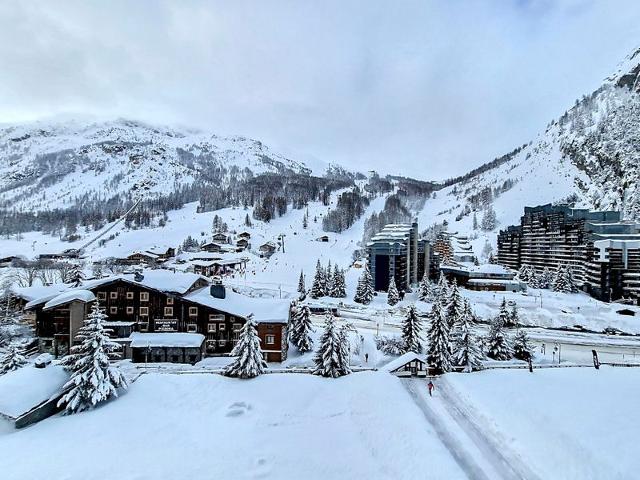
[
  {"x": 602, "y": 250},
  {"x": 396, "y": 251}
]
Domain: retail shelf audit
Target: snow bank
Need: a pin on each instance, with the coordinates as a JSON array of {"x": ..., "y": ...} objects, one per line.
[
  {"x": 23, "y": 389},
  {"x": 285, "y": 426},
  {"x": 80, "y": 295}
]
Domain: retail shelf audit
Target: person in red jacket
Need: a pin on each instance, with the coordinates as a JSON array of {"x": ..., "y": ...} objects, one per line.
[{"x": 430, "y": 386}]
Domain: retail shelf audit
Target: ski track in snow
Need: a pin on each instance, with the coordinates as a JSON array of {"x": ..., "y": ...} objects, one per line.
[{"x": 477, "y": 454}]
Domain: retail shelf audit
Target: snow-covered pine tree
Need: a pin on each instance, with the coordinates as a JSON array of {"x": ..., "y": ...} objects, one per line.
[
  {"x": 301, "y": 329},
  {"x": 302, "y": 289},
  {"x": 247, "y": 221},
  {"x": 13, "y": 359},
  {"x": 393, "y": 297},
  {"x": 466, "y": 345},
  {"x": 522, "y": 349},
  {"x": 442, "y": 289},
  {"x": 503, "y": 313},
  {"x": 249, "y": 362},
  {"x": 364, "y": 292},
  {"x": 489, "y": 220},
  {"x": 345, "y": 349},
  {"x": 438, "y": 348},
  {"x": 424, "y": 291},
  {"x": 514, "y": 317},
  {"x": 525, "y": 273},
  {"x": 339, "y": 284},
  {"x": 93, "y": 378},
  {"x": 76, "y": 276},
  {"x": 319, "y": 282},
  {"x": 454, "y": 304},
  {"x": 498, "y": 346},
  {"x": 328, "y": 361},
  {"x": 412, "y": 331},
  {"x": 563, "y": 280},
  {"x": 328, "y": 280},
  {"x": 475, "y": 221},
  {"x": 546, "y": 278}
]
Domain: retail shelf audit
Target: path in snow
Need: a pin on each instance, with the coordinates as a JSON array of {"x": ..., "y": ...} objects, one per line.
[{"x": 478, "y": 455}]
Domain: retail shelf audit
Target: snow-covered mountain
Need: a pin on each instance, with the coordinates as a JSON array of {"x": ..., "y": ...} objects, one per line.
[
  {"x": 46, "y": 165},
  {"x": 590, "y": 157}
]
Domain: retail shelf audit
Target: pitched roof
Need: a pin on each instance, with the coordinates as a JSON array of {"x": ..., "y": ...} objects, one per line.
[
  {"x": 174, "y": 339},
  {"x": 76, "y": 295},
  {"x": 402, "y": 360}
]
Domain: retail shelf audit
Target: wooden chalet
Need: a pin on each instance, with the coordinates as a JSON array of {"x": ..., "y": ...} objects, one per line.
[
  {"x": 162, "y": 253},
  {"x": 220, "y": 238},
  {"x": 160, "y": 301},
  {"x": 243, "y": 244},
  {"x": 267, "y": 249},
  {"x": 244, "y": 235},
  {"x": 214, "y": 247},
  {"x": 408, "y": 365}
]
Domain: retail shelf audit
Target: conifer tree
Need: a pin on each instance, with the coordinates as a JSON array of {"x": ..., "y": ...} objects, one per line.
[
  {"x": 345, "y": 349},
  {"x": 522, "y": 349},
  {"x": 328, "y": 359},
  {"x": 503, "y": 313},
  {"x": 339, "y": 283},
  {"x": 76, "y": 276},
  {"x": 412, "y": 331},
  {"x": 393, "y": 297},
  {"x": 319, "y": 282},
  {"x": 454, "y": 305},
  {"x": 301, "y": 329},
  {"x": 498, "y": 346},
  {"x": 364, "y": 292},
  {"x": 328, "y": 280},
  {"x": 466, "y": 345},
  {"x": 439, "y": 348},
  {"x": 249, "y": 362},
  {"x": 424, "y": 291},
  {"x": 302, "y": 289},
  {"x": 546, "y": 278},
  {"x": 247, "y": 221},
  {"x": 93, "y": 379},
  {"x": 514, "y": 317},
  {"x": 442, "y": 288},
  {"x": 13, "y": 359}
]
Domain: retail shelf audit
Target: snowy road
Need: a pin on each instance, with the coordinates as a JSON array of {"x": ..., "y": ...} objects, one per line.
[{"x": 479, "y": 455}]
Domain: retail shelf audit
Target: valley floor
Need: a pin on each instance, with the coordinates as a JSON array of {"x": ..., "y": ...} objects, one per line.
[{"x": 572, "y": 423}]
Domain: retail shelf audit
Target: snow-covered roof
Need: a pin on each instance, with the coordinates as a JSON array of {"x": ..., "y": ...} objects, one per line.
[
  {"x": 40, "y": 291},
  {"x": 26, "y": 387},
  {"x": 494, "y": 281},
  {"x": 401, "y": 361},
  {"x": 76, "y": 295},
  {"x": 160, "y": 280},
  {"x": 174, "y": 339},
  {"x": 118, "y": 323},
  {"x": 264, "y": 310}
]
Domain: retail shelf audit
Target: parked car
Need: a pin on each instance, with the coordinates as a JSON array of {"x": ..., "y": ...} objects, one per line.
[{"x": 43, "y": 360}]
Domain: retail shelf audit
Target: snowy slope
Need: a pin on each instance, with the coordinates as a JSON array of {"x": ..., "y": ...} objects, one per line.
[{"x": 45, "y": 165}]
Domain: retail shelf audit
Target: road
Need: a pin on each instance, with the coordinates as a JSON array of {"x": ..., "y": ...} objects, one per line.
[{"x": 478, "y": 454}]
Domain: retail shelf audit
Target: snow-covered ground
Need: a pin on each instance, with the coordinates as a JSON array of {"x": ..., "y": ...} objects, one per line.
[
  {"x": 577, "y": 423},
  {"x": 284, "y": 426}
]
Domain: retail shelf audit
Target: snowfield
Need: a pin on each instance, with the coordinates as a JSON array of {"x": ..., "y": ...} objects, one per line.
[
  {"x": 281, "y": 426},
  {"x": 569, "y": 423}
]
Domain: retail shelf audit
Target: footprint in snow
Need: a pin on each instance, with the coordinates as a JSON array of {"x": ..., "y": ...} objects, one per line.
[{"x": 237, "y": 409}]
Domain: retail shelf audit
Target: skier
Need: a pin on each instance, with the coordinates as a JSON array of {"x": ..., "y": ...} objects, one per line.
[
  {"x": 430, "y": 386},
  {"x": 366, "y": 358},
  {"x": 402, "y": 295}
]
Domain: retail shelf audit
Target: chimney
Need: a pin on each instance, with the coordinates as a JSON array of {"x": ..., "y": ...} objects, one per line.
[{"x": 217, "y": 288}]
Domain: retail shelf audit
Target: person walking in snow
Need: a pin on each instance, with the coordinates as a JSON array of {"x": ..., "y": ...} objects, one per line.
[
  {"x": 366, "y": 358},
  {"x": 430, "y": 386}
]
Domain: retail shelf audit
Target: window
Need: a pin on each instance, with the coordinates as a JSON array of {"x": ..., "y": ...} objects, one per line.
[
  {"x": 271, "y": 339},
  {"x": 168, "y": 311},
  {"x": 211, "y": 327},
  {"x": 169, "y": 301},
  {"x": 213, "y": 317},
  {"x": 222, "y": 343},
  {"x": 129, "y": 295},
  {"x": 193, "y": 311},
  {"x": 192, "y": 328},
  {"x": 144, "y": 327},
  {"x": 144, "y": 311},
  {"x": 222, "y": 327},
  {"x": 113, "y": 310},
  {"x": 237, "y": 327},
  {"x": 211, "y": 344},
  {"x": 144, "y": 296},
  {"x": 113, "y": 295},
  {"x": 102, "y": 295},
  {"x": 130, "y": 310}
]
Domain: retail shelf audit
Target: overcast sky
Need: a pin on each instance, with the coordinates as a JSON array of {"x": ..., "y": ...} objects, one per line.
[{"x": 427, "y": 88}]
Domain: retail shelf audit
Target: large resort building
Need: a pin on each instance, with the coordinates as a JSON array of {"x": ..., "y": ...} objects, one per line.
[
  {"x": 396, "y": 251},
  {"x": 602, "y": 250}
]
